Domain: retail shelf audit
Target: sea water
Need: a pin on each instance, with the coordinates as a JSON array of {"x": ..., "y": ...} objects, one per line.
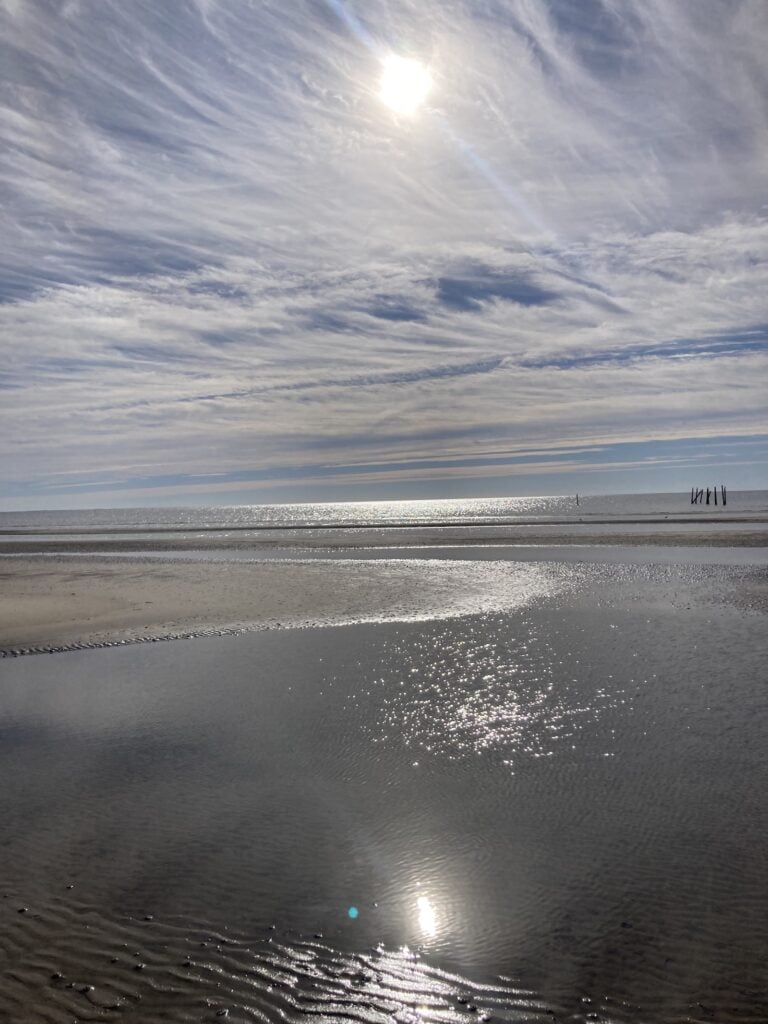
[{"x": 478, "y": 511}]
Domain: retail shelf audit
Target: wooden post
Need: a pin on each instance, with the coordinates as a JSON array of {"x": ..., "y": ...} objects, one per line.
[
  {"x": 722, "y": 491},
  {"x": 708, "y": 494},
  {"x": 714, "y": 491},
  {"x": 693, "y": 500}
]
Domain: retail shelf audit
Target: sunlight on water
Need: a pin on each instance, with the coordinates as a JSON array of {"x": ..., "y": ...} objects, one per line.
[
  {"x": 555, "y": 813},
  {"x": 465, "y": 688},
  {"x": 427, "y": 917},
  {"x": 478, "y": 511},
  {"x": 421, "y": 589}
]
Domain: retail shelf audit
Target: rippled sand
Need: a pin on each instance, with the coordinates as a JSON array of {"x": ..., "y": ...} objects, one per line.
[{"x": 550, "y": 810}]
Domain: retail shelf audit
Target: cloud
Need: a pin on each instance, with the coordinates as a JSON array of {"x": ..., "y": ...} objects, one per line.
[{"x": 220, "y": 249}]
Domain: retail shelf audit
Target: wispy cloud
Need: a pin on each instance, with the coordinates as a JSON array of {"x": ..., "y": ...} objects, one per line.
[{"x": 223, "y": 254}]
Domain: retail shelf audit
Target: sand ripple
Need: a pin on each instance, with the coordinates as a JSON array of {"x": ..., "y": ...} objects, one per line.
[{"x": 65, "y": 961}]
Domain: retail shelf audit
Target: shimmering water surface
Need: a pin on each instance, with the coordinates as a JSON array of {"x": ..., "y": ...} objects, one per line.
[
  {"x": 262, "y": 531},
  {"x": 581, "y": 511},
  {"x": 554, "y": 813}
]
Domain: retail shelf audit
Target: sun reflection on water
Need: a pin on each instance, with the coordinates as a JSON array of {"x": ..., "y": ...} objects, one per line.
[{"x": 427, "y": 917}]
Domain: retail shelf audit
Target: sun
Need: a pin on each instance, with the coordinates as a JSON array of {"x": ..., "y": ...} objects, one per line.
[{"x": 405, "y": 84}]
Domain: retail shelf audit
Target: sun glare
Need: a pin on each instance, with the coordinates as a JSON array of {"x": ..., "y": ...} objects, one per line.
[
  {"x": 405, "y": 84},
  {"x": 427, "y": 917}
]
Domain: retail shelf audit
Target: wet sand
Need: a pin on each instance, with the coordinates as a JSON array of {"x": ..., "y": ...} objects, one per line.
[
  {"x": 54, "y": 603},
  {"x": 748, "y": 534},
  {"x": 554, "y": 812},
  {"x": 49, "y": 603}
]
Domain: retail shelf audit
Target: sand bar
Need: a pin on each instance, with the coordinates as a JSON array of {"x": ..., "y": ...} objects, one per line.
[{"x": 50, "y": 603}]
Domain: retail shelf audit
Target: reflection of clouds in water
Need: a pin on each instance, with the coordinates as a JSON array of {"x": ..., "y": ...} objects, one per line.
[{"x": 472, "y": 686}]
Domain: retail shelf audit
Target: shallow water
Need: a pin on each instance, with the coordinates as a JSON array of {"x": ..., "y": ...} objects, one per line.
[
  {"x": 557, "y": 812},
  {"x": 582, "y": 553}
]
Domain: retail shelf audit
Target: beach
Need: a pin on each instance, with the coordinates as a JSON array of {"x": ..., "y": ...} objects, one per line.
[
  {"x": 80, "y": 598},
  {"x": 551, "y": 809},
  {"x": 51, "y": 603},
  {"x": 402, "y": 781},
  {"x": 384, "y": 512},
  {"x": 115, "y": 576}
]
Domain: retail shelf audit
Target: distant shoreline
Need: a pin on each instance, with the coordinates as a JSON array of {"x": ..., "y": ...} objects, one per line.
[
  {"x": 742, "y": 532},
  {"x": 585, "y": 519}
]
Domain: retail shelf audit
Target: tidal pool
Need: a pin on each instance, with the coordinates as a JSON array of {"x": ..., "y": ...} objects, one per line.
[{"x": 558, "y": 812}]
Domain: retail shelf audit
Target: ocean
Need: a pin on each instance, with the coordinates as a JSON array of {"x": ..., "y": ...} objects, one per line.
[
  {"x": 391, "y": 528},
  {"x": 552, "y": 510}
]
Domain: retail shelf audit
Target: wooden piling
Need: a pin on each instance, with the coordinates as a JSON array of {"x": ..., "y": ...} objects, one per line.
[{"x": 700, "y": 497}]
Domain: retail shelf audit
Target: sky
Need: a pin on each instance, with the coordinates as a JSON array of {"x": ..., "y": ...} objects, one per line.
[{"x": 231, "y": 272}]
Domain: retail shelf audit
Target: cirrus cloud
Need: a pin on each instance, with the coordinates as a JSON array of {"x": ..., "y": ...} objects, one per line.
[{"x": 227, "y": 264}]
